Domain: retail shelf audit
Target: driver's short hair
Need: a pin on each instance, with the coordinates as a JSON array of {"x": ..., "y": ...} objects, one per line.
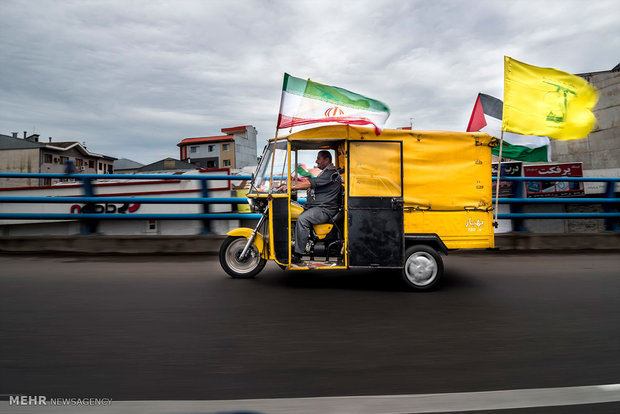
[{"x": 326, "y": 154}]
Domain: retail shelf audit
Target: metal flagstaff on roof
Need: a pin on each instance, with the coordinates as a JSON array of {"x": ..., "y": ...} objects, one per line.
[{"x": 499, "y": 169}]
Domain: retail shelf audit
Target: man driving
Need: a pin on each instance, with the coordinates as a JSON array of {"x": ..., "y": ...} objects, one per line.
[{"x": 323, "y": 201}]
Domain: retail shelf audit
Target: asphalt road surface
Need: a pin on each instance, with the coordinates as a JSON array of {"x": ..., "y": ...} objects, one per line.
[{"x": 178, "y": 328}]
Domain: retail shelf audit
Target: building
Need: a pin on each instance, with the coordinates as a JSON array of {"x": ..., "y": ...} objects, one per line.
[
  {"x": 236, "y": 149},
  {"x": 600, "y": 151},
  {"x": 167, "y": 164},
  {"x": 126, "y": 166},
  {"x": 28, "y": 155}
]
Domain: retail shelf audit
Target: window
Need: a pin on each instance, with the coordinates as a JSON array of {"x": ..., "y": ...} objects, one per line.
[
  {"x": 374, "y": 169},
  {"x": 211, "y": 164},
  {"x": 100, "y": 166},
  {"x": 63, "y": 160},
  {"x": 79, "y": 162},
  {"x": 169, "y": 164},
  {"x": 226, "y": 163},
  {"x": 91, "y": 164},
  {"x": 211, "y": 148},
  {"x": 151, "y": 226},
  {"x": 194, "y": 150},
  {"x": 226, "y": 147},
  {"x": 48, "y": 159}
]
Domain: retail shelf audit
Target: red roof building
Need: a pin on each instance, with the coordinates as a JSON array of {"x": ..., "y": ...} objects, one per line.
[
  {"x": 202, "y": 140},
  {"x": 237, "y": 149}
]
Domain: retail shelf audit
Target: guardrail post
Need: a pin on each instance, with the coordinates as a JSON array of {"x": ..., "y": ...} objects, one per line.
[
  {"x": 204, "y": 189},
  {"x": 517, "y": 224},
  {"x": 89, "y": 226},
  {"x": 611, "y": 224}
]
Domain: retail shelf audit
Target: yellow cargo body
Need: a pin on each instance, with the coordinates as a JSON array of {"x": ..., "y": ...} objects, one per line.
[{"x": 447, "y": 185}]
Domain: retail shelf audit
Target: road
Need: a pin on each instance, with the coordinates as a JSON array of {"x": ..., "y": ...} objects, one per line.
[{"x": 177, "y": 328}]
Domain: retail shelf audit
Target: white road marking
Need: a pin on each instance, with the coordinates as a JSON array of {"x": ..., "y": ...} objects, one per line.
[{"x": 386, "y": 404}]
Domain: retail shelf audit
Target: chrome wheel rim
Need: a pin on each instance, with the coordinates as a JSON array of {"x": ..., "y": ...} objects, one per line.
[
  {"x": 421, "y": 268},
  {"x": 251, "y": 261}
]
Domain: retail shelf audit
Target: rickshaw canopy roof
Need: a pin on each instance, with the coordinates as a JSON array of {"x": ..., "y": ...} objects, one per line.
[{"x": 351, "y": 132}]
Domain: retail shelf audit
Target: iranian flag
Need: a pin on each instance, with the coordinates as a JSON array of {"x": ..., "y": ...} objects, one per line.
[
  {"x": 305, "y": 102},
  {"x": 487, "y": 117}
]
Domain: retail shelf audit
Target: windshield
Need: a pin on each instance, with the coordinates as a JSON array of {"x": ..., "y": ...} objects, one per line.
[{"x": 262, "y": 177}]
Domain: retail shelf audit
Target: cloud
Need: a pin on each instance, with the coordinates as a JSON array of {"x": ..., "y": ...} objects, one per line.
[{"x": 134, "y": 78}]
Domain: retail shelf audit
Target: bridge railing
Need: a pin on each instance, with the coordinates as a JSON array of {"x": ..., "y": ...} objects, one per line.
[
  {"x": 90, "y": 218},
  {"x": 609, "y": 202}
]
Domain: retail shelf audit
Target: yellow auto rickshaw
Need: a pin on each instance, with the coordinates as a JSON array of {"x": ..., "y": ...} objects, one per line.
[{"x": 407, "y": 197}]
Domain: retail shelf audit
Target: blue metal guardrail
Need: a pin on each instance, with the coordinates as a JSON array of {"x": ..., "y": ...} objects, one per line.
[
  {"x": 609, "y": 203},
  {"x": 90, "y": 219}
]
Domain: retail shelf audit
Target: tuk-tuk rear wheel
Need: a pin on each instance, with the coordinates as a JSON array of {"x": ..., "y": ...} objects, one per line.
[
  {"x": 423, "y": 267},
  {"x": 238, "y": 268}
]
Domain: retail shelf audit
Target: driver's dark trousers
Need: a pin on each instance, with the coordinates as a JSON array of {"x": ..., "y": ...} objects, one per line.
[{"x": 305, "y": 221}]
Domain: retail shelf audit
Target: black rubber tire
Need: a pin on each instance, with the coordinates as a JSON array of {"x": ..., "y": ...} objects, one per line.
[
  {"x": 423, "y": 270},
  {"x": 230, "y": 251}
]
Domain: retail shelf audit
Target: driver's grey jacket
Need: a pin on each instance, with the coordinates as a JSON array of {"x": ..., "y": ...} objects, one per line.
[{"x": 325, "y": 190}]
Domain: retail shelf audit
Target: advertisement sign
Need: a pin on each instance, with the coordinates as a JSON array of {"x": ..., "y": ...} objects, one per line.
[
  {"x": 554, "y": 188},
  {"x": 507, "y": 189}
]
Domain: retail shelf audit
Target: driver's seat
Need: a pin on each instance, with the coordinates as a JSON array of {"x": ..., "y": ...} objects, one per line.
[{"x": 331, "y": 234}]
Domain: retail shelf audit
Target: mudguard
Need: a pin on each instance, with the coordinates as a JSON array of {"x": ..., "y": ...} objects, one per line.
[{"x": 246, "y": 232}]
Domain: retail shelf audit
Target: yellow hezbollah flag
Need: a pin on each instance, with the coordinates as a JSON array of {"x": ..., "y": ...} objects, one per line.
[{"x": 546, "y": 102}]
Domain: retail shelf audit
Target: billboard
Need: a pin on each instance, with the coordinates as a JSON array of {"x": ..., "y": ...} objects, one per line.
[
  {"x": 554, "y": 188},
  {"x": 507, "y": 189}
]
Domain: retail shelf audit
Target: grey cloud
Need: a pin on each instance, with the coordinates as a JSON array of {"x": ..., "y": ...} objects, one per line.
[{"x": 134, "y": 78}]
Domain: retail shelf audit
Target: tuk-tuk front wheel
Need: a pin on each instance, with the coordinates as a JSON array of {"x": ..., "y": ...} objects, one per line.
[
  {"x": 234, "y": 265},
  {"x": 423, "y": 268}
]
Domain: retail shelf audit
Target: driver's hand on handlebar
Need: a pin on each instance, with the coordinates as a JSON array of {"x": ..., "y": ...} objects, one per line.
[{"x": 281, "y": 188}]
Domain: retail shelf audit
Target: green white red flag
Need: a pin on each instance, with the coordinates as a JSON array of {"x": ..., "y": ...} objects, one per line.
[
  {"x": 305, "y": 102},
  {"x": 302, "y": 171}
]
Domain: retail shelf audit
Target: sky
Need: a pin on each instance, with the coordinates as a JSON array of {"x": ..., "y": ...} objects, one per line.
[{"x": 132, "y": 79}]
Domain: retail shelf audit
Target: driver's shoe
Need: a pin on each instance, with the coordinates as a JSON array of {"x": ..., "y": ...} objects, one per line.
[{"x": 296, "y": 258}]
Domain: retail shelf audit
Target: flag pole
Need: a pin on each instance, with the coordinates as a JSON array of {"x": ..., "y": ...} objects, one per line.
[
  {"x": 499, "y": 170},
  {"x": 273, "y": 161}
]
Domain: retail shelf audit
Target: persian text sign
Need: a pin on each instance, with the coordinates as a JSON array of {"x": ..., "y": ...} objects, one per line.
[
  {"x": 554, "y": 188},
  {"x": 507, "y": 189}
]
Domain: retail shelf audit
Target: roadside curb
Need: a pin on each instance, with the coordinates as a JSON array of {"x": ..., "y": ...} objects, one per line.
[
  {"x": 102, "y": 244},
  {"x": 210, "y": 243},
  {"x": 563, "y": 241}
]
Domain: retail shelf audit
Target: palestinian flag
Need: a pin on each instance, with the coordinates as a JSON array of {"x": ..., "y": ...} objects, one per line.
[
  {"x": 305, "y": 102},
  {"x": 487, "y": 117}
]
